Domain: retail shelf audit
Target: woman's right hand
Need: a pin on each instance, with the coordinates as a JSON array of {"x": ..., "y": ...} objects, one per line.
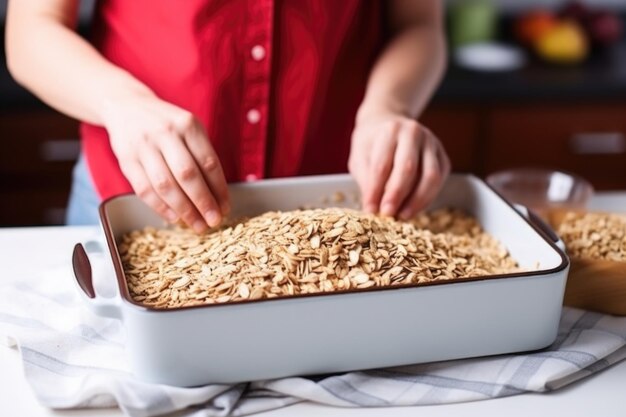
[{"x": 165, "y": 154}]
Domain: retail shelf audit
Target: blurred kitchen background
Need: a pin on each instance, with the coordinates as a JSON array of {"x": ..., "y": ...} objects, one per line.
[{"x": 539, "y": 83}]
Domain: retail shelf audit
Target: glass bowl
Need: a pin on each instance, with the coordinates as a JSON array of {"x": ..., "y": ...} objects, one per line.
[{"x": 542, "y": 189}]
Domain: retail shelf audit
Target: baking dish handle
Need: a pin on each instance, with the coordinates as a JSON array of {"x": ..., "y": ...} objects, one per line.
[
  {"x": 540, "y": 224},
  {"x": 83, "y": 271}
]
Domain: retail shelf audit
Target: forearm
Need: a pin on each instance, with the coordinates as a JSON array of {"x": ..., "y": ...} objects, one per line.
[
  {"x": 407, "y": 72},
  {"x": 399, "y": 164},
  {"x": 46, "y": 56}
]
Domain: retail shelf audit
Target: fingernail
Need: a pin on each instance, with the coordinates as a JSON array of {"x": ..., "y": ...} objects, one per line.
[
  {"x": 171, "y": 216},
  {"x": 387, "y": 209},
  {"x": 212, "y": 218},
  {"x": 405, "y": 215},
  {"x": 199, "y": 226}
]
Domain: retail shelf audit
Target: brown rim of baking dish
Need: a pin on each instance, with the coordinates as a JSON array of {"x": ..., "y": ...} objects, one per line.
[{"x": 533, "y": 221}]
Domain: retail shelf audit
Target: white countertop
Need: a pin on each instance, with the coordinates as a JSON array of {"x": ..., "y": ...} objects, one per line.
[{"x": 27, "y": 251}]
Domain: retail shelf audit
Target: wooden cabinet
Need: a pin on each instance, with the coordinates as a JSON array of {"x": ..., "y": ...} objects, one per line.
[
  {"x": 38, "y": 152},
  {"x": 32, "y": 207},
  {"x": 458, "y": 127},
  {"x": 586, "y": 139},
  {"x": 589, "y": 140},
  {"x": 41, "y": 143}
]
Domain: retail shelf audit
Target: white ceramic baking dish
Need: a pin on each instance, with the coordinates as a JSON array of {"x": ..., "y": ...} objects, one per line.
[{"x": 324, "y": 333}]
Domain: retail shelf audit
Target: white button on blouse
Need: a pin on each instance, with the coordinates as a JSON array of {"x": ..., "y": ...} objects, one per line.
[
  {"x": 253, "y": 116},
  {"x": 257, "y": 52}
]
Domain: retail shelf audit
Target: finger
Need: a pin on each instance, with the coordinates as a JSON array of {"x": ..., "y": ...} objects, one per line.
[
  {"x": 430, "y": 180},
  {"x": 357, "y": 166},
  {"x": 138, "y": 179},
  {"x": 190, "y": 179},
  {"x": 207, "y": 160},
  {"x": 444, "y": 160},
  {"x": 168, "y": 190},
  {"x": 379, "y": 168},
  {"x": 403, "y": 177}
]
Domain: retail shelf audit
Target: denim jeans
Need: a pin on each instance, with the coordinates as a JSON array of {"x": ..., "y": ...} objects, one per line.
[{"x": 82, "y": 208}]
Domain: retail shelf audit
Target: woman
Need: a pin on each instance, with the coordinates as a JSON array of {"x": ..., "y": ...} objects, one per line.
[{"x": 176, "y": 98}]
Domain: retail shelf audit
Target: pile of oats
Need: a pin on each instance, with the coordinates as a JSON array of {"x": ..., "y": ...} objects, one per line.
[
  {"x": 305, "y": 251},
  {"x": 594, "y": 235}
]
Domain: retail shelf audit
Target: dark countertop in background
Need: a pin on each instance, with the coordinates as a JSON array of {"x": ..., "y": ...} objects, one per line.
[{"x": 602, "y": 77}]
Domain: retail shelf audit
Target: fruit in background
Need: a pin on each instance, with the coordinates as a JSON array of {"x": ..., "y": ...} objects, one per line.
[
  {"x": 576, "y": 10},
  {"x": 604, "y": 28},
  {"x": 533, "y": 25},
  {"x": 565, "y": 43},
  {"x": 568, "y": 36}
]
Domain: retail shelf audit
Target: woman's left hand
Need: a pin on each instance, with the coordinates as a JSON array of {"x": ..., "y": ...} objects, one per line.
[{"x": 399, "y": 164}]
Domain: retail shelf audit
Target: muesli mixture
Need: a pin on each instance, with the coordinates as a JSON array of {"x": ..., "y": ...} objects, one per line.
[{"x": 305, "y": 251}]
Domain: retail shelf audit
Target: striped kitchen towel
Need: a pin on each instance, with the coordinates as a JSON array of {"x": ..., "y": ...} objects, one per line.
[{"x": 73, "y": 359}]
